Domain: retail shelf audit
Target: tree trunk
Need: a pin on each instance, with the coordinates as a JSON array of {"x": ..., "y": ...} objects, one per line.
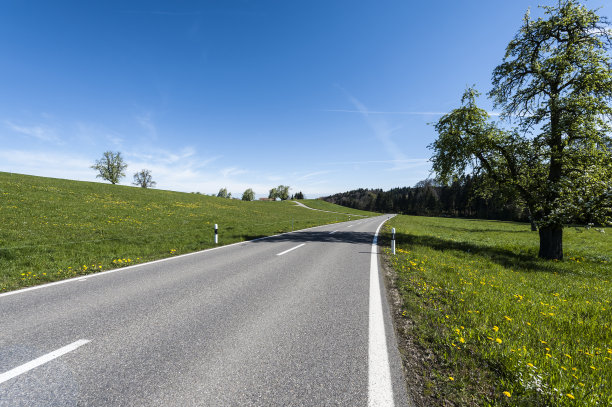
[
  {"x": 534, "y": 227},
  {"x": 551, "y": 242}
]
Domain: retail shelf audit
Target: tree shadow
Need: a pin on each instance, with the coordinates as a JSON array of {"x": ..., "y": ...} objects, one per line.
[
  {"x": 503, "y": 257},
  {"x": 316, "y": 236}
]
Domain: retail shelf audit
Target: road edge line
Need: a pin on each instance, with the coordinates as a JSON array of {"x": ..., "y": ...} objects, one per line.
[{"x": 380, "y": 387}]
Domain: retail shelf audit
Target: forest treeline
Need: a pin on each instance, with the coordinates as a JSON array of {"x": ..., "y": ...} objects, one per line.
[{"x": 428, "y": 198}]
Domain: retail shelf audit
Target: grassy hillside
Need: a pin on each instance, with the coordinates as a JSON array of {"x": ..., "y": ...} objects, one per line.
[
  {"x": 506, "y": 328},
  {"x": 53, "y": 229},
  {"x": 327, "y": 206}
]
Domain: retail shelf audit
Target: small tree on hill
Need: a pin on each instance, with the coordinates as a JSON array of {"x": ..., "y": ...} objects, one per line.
[
  {"x": 298, "y": 195},
  {"x": 110, "y": 167},
  {"x": 282, "y": 192},
  {"x": 223, "y": 193},
  {"x": 248, "y": 195},
  {"x": 144, "y": 179},
  {"x": 273, "y": 194}
]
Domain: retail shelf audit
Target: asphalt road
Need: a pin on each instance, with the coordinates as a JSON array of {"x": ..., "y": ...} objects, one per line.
[{"x": 283, "y": 321}]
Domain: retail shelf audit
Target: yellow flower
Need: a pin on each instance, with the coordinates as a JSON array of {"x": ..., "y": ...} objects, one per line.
[
  {"x": 530, "y": 365},
  {"x": 568, "y": 356},
  {"x": 507, "y": 394},
  {"x": 507, "y": 318},
  {"x": 496, "y": 328},
  {"x": 570, "y": 396},
  {"x": 451, "y": 378},
  {"x": 498, "y": 340},
  {"x": 461, "y": 340}
]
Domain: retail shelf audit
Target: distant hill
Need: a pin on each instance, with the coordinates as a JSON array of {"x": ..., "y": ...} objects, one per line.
[{"x": 430, "y": 199}]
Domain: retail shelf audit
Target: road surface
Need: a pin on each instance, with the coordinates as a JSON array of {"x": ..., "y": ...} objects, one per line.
[{"x": 290, "y": 320}]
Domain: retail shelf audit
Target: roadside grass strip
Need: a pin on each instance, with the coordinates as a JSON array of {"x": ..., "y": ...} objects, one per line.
[
  {"x": 55, "y": 229},
  {"x": 327, "y": 206},
  {"x": 507, "y": 328}
]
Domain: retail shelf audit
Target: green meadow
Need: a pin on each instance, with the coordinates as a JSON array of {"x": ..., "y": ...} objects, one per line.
[
  {"x": 53, "y": 229},
  {"x": 506, "y": 328},
  {"x": 326, "y": 206}
]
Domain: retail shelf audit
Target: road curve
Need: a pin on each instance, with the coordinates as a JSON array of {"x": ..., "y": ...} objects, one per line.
[{"x": 274, "y": 322}]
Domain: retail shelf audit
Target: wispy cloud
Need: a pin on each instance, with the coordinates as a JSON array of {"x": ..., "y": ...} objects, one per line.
[
  {"x": 146, "y": 122},
  {"x": 389, "y": 113},
  {"x": 232, "y": 172},
  {"x": 93, "y": 134},
  {"x": 164, "y": 13},
  {"x": 311, "y": 175},
  {"x": 382, "y": 130},
  {"x": 378, "y": 112},
  {"x": 40, "y": 132}
]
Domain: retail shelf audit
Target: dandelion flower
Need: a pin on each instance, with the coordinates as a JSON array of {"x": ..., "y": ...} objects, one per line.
[
  {"x": 570, "y": 396},
  {"x": 451, "y": 378},
  {"x": 507, "y": 318},
  {"x": 496, "y": 328},
  {"x": 498, "y": 340},
  {"x": 507, "y": 394},
  {"x": 461, "y": 340}
]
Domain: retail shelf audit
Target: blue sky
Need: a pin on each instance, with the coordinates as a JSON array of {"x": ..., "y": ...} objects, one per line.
[{"x": 324, "y": 96}]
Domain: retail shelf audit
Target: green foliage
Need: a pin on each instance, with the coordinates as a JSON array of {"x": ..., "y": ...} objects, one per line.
[
  {"x": 556, "y": 81},
  {"x": 110, "y": 167},
  {"x": 298, "y": 195},
  {"x": 144, "y": 179},
  {"x": 281, "y": 192},
  {"x": 273, "y": 194},
  {"x": 248, "y": 195},
  {"x": 54, "y": 229},
  {"x": 501, "y": 320},
  {"x": 223, "y": 193}
]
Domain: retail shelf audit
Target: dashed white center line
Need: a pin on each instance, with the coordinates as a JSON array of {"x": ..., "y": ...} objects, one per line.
[
  {"x": 293, "y": 248},
  {"x": 41, "y": 360}
]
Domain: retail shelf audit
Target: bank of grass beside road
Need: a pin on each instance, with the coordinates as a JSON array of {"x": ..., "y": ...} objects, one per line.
[
  {"x": 494, "y": 324},
  {"x": 52, "y": 229},
  {"x": 327, "y": 206}
]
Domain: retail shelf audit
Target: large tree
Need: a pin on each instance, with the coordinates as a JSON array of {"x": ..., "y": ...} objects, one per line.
[
  {"x": 110, "y": 167},
  {"x": 555, "y": 82}
]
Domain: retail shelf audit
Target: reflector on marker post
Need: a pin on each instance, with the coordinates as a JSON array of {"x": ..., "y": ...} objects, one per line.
[
  {"x": 393, "y": 240},
  {"x": 216, "y": 234}
]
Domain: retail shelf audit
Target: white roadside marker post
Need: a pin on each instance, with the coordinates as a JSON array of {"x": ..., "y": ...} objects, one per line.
[
  {"x": 393, "y": 240},
  {"x": 216, "y": 234}
]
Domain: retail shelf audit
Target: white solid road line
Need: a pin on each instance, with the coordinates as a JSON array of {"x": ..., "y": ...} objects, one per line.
[
  {"x": 380, "y": 390},
  {"x": 293, "y": 248},
  {"x": 41, "y": 360}
]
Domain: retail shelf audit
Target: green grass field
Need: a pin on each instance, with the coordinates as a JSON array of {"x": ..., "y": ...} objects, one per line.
[
  {"x": 53, "y": 229},
  {"x": 326, "y": 206},
  {"x": 506, "y": 327}
]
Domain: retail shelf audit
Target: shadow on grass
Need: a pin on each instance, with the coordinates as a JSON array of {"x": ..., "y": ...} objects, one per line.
[{"x": 503, "y": 257}]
